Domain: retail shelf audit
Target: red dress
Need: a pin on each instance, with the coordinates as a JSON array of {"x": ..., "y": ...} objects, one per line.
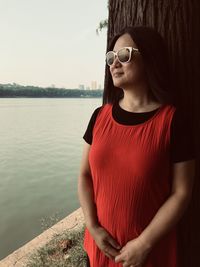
[{"x": 131, "y": 172}]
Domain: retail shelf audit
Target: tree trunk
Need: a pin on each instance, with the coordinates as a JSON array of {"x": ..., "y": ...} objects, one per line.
[{"x": 178, "y": 21}]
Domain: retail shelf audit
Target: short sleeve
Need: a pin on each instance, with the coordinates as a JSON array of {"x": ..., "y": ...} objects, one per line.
[
  {"x": 182, "y": 146},
  {"x": 88, "y": 133}
]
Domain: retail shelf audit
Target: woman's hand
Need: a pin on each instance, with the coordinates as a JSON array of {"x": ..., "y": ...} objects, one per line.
[
  {"x": 105, "y": 242},
  {"x": 133, "y": 254}
]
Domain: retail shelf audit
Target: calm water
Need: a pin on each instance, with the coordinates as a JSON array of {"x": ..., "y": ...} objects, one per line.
[{"x": 40, "y": 151}]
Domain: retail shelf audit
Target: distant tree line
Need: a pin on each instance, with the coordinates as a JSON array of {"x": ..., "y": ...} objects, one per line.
[{"x": 16, "y": 90}]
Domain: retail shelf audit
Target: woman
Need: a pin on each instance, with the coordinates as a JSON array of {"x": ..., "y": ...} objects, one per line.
[{"x": 135, "y": 179}]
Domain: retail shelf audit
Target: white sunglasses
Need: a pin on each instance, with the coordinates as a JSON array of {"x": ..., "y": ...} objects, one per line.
[{"x": 123, "y": 55}]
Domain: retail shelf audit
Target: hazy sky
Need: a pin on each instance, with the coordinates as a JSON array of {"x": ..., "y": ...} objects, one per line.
[{"x": 45, "y": 42}]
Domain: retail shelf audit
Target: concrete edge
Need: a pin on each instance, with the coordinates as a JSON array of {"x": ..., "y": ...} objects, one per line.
[{"x": 19, "y": 257}]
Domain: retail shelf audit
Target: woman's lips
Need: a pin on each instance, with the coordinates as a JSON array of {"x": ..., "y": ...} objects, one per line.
[{"x": 118, "y": 74}]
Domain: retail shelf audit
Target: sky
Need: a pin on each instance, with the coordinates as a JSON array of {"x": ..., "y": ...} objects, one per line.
[{"x": 52, "y": 42}]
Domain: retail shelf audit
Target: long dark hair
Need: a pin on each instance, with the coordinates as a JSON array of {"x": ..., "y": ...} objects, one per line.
[{"x": 155, "y": 56}]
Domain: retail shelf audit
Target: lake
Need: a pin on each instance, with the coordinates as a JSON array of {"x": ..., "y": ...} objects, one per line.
[{"x": 41, "y": 147}]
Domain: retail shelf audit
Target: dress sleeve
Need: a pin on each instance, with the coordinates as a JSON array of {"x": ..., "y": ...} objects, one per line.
[
  {"x": 182, "y": 146},
  {"x": 88, "y": 133}
]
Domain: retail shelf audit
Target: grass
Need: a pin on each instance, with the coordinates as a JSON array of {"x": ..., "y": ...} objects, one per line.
[{"x": 62, "y": 250}]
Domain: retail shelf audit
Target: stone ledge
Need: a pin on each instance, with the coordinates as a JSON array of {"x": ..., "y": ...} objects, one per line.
[{"x": 20, "y": 256}]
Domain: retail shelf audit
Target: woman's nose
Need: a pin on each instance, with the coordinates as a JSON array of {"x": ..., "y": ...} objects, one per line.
[{"x": 116, "y": 61}]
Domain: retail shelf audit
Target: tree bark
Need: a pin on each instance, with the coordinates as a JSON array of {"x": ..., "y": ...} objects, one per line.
[{"x": 178, "y": 21}]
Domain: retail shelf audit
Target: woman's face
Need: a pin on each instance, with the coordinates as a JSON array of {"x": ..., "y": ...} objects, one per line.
[{"x": 132, "y": 71}]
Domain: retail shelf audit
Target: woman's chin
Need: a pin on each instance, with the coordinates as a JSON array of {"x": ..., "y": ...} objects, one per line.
[{"x": 118, "y": 83}]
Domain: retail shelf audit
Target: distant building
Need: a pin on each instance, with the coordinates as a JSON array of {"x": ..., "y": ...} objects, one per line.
[
  {"x": 87, "y": 88},
  {"x": 81, "y": 87},
  {"x": 99, "y": 87},
  {"x": 93, "y": 85}
]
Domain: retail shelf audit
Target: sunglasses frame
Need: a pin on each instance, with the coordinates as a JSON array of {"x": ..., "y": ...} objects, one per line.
[{"x": 130, "y": 48}]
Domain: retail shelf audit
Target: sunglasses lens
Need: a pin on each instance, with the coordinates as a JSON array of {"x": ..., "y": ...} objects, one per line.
[
  {"x": 110, "y": 58},
  {"x": 124, "y": 55}
]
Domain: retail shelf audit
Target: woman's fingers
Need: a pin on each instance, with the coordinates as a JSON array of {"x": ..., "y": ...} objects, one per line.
[
  {"x": 106, "y": 242},
  {"x": 108, "y": 255},
  {"x": 113, "y": 242},
  {"x": 109, "y": 250}
]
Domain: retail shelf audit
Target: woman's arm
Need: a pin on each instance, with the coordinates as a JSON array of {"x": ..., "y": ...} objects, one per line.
[
  {"x": 174, "y": 207},
  {"x": 85, "y": 191},
  {"x": 103, "y": 239}
]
